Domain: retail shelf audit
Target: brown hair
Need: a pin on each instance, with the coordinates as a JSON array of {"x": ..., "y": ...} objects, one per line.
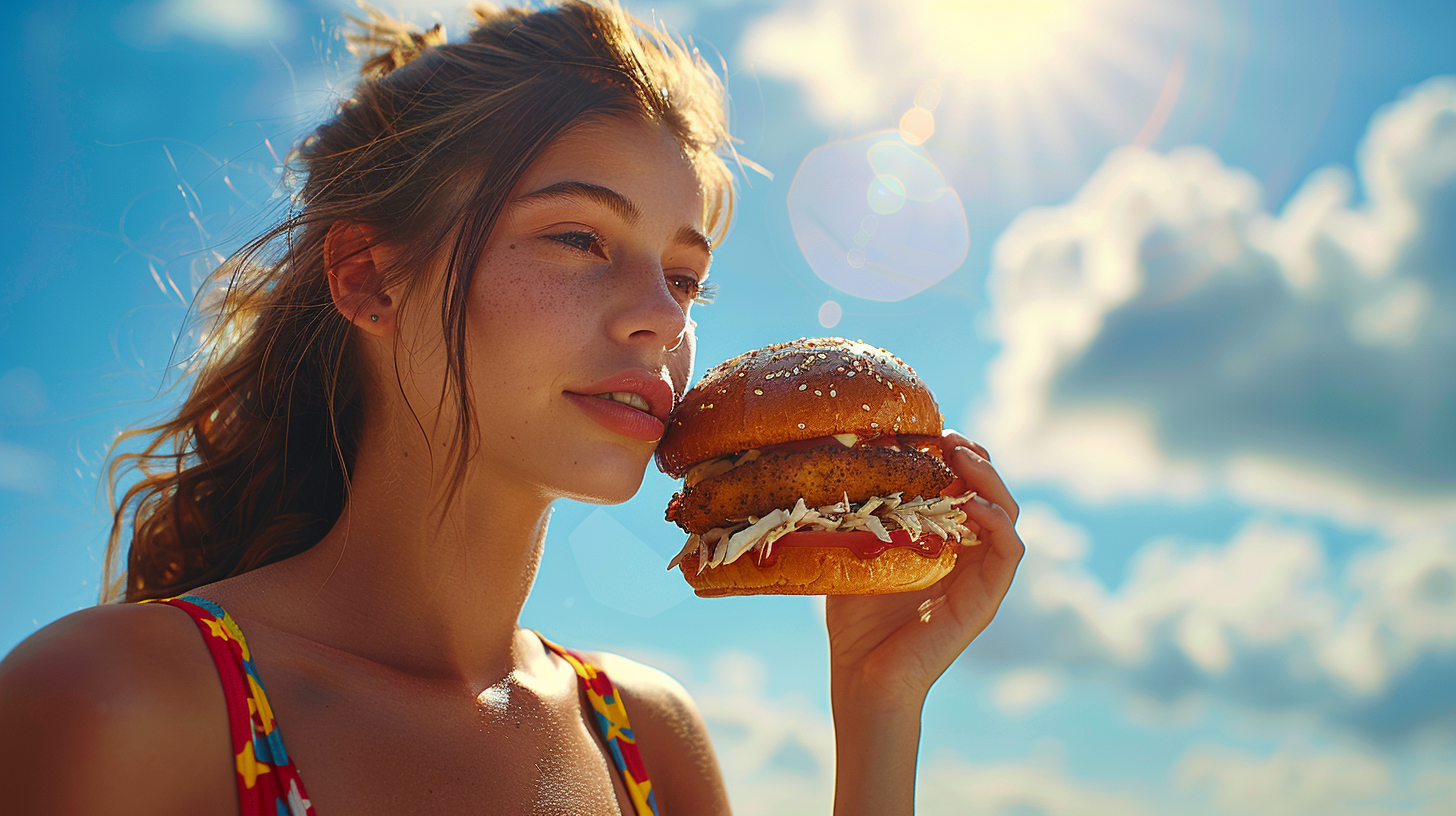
[{"x": 254, "y": 467}]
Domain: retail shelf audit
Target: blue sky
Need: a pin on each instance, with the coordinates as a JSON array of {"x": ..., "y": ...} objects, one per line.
[{"x": 1185, "y": 268}]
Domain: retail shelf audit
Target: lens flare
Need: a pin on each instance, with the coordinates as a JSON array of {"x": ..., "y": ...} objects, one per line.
[
  {"x": 829, "y": 314},
  {"x": 875, "y": 218}
]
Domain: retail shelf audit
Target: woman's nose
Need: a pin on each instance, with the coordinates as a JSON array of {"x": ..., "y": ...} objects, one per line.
[{"x": 645, "y": 310}]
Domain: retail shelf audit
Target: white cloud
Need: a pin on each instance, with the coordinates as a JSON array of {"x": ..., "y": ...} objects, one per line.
[
  {"x": 1021, "y": 691},
  {"x": 1296, "y": 778},
  {"x": 1164, "y": 336},
  {"x": 1291, "y": 781},
  {"x": 1263, "y": 622},
  {"x": 776, "y": 752},
  {"x": 955, "y": 786},
  {"x": 777, "y": 756}
]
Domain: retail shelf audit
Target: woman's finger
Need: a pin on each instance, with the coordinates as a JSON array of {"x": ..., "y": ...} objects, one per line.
[
  {"x": 976, "y": 471},
  {"x": 998, "y": 533},
  {"x": 956, "y": 438}
]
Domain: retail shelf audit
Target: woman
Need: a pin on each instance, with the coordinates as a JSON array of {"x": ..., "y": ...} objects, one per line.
[{"x": 402, "y": 378}]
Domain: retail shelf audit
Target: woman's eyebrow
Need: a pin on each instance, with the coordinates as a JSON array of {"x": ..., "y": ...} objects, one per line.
[
  {"x": 613, "y": 200},
  {"x": 605, "y": 196}
]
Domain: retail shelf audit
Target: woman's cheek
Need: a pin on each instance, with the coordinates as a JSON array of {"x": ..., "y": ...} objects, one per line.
[{"x": 680, "y": 359}]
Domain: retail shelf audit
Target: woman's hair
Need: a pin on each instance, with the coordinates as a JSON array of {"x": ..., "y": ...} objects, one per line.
[{"x": 255, "y": 465}]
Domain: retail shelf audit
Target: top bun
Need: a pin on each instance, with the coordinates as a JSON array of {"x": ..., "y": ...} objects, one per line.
[{"x": 786, "y": 392}]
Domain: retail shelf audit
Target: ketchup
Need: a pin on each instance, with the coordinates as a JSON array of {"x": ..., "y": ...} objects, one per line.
[{"x": 863, "y": 543}]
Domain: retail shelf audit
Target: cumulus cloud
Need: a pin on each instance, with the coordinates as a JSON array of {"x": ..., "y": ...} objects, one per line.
[
  {"x": 1166, "y": 336},
  {"x": 1289, "y": 781},
  {"x": 1263, "y": 622},
  {"x": 777, "y": 756},
  {"x": 1330, "y": 781}
]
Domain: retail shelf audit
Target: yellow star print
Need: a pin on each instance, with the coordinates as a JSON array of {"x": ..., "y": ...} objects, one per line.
[
  {"x": 218, "y": 630},
  {"x": 249, "y": 768}
]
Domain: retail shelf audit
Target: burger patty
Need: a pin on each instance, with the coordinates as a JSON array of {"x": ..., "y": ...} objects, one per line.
[{"x": 820, "y": 476}]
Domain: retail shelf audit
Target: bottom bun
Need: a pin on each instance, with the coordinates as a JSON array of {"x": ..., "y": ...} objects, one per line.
[{"x": 821, "y": 571}]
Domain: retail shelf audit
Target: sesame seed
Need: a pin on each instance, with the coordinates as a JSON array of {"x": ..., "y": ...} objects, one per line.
[
  {"x": 818, "y": 393},
  {"x": 874, "y": 424},
  {"x": 832, "y": 393},
  {"x": 851, "y": 373},
  {"x": 864, "y": 405},
  {"x": 801, "y": 425},
  {"x": 758, "y": 391},
  {"x": 802, "y": 386}
]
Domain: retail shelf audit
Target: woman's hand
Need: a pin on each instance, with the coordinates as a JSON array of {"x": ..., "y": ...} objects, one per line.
[{"x": 891, "y": 648}]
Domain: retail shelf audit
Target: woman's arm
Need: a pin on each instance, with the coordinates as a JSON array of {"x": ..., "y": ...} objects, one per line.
[
  {"x": 114, "y": 710},
  {"x": 886, "y": 650}
]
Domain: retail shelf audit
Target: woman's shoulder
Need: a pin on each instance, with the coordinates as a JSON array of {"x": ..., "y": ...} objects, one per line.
[
  {"x": 671, "y": 736},
  {"x": 111, "y": 709}
]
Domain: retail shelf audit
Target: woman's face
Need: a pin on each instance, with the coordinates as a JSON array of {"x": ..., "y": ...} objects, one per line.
[{"x": 583, "y": 288}]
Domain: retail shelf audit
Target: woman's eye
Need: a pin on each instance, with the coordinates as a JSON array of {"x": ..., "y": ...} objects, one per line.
[
  {"x": 697, "y": 292},
  {"x": 582, "y": 241}
]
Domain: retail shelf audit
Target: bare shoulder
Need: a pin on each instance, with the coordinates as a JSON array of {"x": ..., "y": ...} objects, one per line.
[
  {"x": 671, "y": 736},
  {"x": 114, "y": 709}
]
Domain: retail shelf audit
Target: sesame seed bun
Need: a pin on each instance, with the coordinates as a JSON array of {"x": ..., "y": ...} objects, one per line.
[
  {"x": 793, "y": 391},
  {"x": 813, "y": 423}
]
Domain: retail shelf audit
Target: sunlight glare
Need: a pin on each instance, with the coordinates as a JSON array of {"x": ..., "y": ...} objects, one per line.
[{"x": 988, "y": 38}]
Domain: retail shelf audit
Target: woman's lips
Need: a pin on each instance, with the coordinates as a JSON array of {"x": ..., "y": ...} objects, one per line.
[{"x": 619, "y": 418}]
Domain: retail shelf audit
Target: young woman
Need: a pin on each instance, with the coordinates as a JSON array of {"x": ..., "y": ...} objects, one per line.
[{"x": 401, "y": 379}]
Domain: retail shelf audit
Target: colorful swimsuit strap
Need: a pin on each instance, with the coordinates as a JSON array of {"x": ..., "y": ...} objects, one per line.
[
  {"x": 610, "y": 718},
  {"x": 268, "y": 782}
]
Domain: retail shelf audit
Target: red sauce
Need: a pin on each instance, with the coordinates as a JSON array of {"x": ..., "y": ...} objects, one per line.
[{"x": 863, "y": 543}]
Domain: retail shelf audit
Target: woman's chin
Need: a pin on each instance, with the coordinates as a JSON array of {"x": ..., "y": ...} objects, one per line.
[
  {"x": 604, "y": 488},
  {"x": 608, "y": 477}
]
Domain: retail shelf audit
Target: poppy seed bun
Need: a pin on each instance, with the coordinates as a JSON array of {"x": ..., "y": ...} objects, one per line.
[
  {"x": 787, "y": 392},
  {"x": 821, "y": 571}
]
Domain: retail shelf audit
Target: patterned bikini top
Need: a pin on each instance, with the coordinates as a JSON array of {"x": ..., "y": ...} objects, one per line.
[{"x": 268, "y": 781}]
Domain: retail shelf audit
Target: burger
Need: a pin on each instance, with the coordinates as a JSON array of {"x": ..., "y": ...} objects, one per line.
[{"x": 812, "y": 468}]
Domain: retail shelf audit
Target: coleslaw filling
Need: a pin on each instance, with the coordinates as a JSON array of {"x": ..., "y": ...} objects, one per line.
[{"x": 878, "y": 514}]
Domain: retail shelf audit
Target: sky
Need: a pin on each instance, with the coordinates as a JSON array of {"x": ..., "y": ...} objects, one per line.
[{"x": 1185, "y": 268}]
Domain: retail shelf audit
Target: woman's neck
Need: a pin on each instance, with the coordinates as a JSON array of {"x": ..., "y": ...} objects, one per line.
[{"x": 405, "y": 580}]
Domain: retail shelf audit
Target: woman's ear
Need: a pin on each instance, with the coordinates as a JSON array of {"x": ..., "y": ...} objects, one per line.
[{"x": 355, "y": 281}]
